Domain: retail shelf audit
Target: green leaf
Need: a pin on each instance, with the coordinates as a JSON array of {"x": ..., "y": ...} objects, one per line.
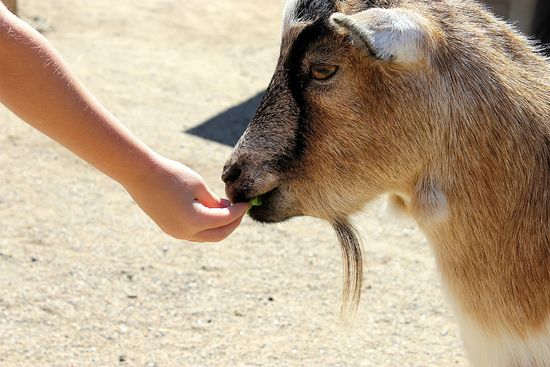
[{"x": 257, "y": 201}]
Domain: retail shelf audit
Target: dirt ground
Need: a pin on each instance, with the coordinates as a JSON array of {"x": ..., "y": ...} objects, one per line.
[{"x": 86, "y": 279}]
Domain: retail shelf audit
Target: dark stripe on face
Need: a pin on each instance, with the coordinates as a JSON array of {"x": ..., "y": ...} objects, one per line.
[{"x": 298, "y": 79}]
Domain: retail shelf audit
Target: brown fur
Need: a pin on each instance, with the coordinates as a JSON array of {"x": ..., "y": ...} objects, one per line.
[{"x": 470, "y": 120}]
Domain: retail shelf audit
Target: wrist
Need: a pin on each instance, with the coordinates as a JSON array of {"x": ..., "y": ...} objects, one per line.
[{"x": 140, "y": 168}]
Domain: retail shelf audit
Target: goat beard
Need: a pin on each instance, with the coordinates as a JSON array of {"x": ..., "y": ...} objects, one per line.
[{"x": 352, "y": 259}]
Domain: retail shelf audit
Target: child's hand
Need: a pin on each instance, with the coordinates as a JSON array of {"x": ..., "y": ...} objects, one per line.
[
  {"x": 179, "y": 201},
  {"x": 39, "y": 87}
]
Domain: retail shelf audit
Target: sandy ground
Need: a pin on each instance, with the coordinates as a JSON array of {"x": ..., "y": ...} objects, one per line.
[{"x": 86, "y": 279}]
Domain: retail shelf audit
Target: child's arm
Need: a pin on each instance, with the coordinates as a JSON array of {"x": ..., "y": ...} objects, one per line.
[{"x": 37, "y": 85}]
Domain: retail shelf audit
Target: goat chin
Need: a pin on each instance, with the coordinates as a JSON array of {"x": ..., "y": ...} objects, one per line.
[{"x": 352, "y": 258}]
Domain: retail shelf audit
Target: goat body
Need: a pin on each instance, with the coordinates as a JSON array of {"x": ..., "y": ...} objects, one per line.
[{"x": 445, "y": 107}]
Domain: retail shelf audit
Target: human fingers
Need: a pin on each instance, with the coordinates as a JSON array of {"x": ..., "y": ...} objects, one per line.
[
  {"x": 211, "y": 218},
  {"x": 218, "y": 234},
  {"x": 207, "y": 198}
]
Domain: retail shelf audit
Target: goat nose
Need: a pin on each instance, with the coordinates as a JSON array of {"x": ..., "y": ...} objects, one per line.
[{"x": 231, "y": 173}]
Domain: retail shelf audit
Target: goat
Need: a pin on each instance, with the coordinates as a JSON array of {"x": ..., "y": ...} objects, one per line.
[{"x": 442, "y": 106}]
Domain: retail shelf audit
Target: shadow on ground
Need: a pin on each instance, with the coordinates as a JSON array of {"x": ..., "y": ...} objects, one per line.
[{"x": 227, "y": 127}]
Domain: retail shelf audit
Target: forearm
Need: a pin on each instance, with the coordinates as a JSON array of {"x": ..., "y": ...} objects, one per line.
[{"x": 37, "y": 85}]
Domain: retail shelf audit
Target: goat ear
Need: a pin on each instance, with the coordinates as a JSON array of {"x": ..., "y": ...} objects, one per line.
[{"x": 388, "y": 34}]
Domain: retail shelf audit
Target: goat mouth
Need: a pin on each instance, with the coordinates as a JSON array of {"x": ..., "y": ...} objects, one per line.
[{"x": 268, "y": 211}]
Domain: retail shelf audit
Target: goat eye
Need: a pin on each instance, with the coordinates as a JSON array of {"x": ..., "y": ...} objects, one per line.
[{"x": 322, "y": 71}]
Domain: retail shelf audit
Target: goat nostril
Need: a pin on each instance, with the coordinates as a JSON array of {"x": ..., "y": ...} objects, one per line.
[{"x": 231, "y": 174}]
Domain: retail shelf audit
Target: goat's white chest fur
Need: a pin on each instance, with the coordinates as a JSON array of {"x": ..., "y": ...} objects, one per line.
[
  {"x": 495, "y": 348},
  {"x": 503, "y": 349}
]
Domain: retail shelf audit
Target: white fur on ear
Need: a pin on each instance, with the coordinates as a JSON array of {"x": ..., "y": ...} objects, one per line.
[{"x": 388, "y": 34}]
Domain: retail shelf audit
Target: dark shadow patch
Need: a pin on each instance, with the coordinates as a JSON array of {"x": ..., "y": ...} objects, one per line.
[{"x": 227, "y": 127}]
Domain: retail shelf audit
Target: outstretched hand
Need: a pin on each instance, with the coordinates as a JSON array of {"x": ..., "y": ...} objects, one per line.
[
  {"x": 40, "y": 88},
  {"x": 181, "y": 204}
]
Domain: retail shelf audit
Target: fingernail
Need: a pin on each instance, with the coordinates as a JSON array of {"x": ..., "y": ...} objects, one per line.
[{"x": 225, "y": 203}]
